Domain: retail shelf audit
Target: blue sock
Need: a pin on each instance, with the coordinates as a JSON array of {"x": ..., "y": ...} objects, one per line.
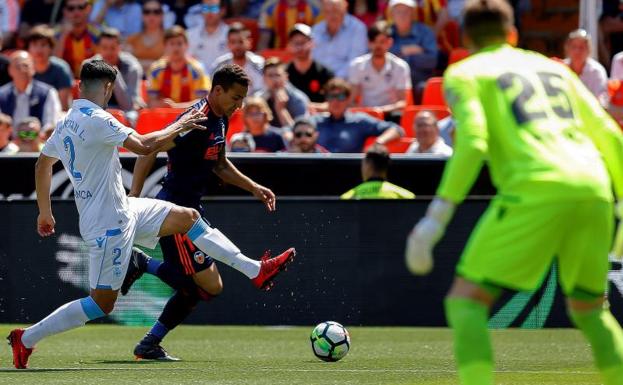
[
  {"x": 159, "y": 330},
  {"x": 153, "y": 265}
]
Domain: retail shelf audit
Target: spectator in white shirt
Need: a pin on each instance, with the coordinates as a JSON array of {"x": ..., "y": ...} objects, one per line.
[
  {"x": 427, "y": 134},
  {"x": 208, "y": 41},
  {"x": 339, "y": 38},
  {"x": 592, "y": 74},
  {"x": 616, "y": 70},
  {"x": 239, "y": 44},
  {"x": 382, "y": 79},
  {"x": 24, "y": 96}
]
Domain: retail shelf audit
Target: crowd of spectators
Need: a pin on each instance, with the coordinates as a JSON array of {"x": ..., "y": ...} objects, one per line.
[{"x": 326, "y": 75}]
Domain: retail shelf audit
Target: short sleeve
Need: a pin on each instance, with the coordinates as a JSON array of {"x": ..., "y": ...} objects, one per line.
[
  {"x": 49, "y": 148},
  {"x": 112, "y": 133},
  {"x": 403, "y": 80}
]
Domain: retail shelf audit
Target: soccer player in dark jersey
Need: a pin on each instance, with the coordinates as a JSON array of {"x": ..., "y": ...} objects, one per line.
[{"x": 192, "y": 158}]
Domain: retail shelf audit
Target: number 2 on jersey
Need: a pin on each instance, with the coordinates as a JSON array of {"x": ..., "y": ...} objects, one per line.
[
  {"x": 69, "y": 148},
  {"x": 527, "y": 91}
]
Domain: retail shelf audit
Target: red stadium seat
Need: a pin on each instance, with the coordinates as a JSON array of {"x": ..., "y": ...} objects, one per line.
[
  {"x": 119, "y": 115},
  {"x": 457, "y": 54},
  {"x": 433, "y": 92},
  {"x": 251, "y": 24},
  {"x": 372, "y": 111},
  {"x": 408, "y": 116},
  {"x": 144, "y": 91},
  {"x": 154, "y": 119},
  {"x": 282, "y": 54},
  {"x": 236, "y": 124},
  {"x": 75, "y": 89},
  {"x": 397, "y": 146}
]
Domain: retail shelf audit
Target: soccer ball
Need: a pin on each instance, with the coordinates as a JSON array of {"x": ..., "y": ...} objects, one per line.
[{"x": 330, "y": 341}]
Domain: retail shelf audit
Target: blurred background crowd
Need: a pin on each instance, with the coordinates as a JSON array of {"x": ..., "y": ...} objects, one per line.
[{"x": 327, "y": 76}]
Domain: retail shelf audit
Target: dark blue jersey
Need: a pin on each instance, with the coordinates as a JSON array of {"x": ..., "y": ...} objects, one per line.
[{"x": 192, "y": 159}]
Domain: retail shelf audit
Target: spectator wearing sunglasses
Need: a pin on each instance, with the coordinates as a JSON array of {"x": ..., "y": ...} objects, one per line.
[
  {"x": 76, "y": 37},
  {"x": 305, "y": 137},
  {"x": 7, "y": 147},
  {"x": 209, "y": 41},
  {"x": 28, "y": 135},
  {"x": 25, "y": 96},
  {"x": 122, "y": 15},
  {"x": 242, "y": 142},
  {"x": 148, "y": 45},
  {"x": 374, "y": 167},
  {"x": 343, "y": 131}
]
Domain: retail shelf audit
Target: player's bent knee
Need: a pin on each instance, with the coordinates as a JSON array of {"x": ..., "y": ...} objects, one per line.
[{"x": 213, "y": 288}]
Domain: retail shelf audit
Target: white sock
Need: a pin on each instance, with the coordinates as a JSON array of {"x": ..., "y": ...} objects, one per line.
[
  {"x": 69, "y": 316},
  {"x": 212, "y": 242}
]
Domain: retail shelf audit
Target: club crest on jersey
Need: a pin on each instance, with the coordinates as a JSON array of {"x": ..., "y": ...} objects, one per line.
[
  {"x": 200, "y": 257},
  {"x": 100, "y": 241}
]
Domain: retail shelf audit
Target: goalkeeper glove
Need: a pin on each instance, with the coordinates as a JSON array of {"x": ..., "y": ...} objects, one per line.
[{"x": 424, "y": 236}]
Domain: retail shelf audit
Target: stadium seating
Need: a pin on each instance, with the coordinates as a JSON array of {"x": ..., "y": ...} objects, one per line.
[
  {"x": 408, "y": 116},
  {"x": 372, "y": 111},
  {"x": 397, "y": 146},
  {"x": 251, "y": 24},
  {"x": 154, "y": 119},
  {"x": 119, "y": 115},
  {"x": 144, "y": 90},
  {"x": 433, "y": 92},
  {"x": 75, "y": 89},
  {"x": 236, "y": 124},
  {"x": 282, "y": 54}
]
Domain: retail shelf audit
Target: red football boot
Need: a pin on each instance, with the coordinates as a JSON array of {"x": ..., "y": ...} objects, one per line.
[
  {"x": 20, "y": 352},
  {"x": 270, "y": 267}
]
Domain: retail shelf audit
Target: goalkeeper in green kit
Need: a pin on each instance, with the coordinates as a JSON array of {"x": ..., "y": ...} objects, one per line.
[{"x": 555, "y": 157}]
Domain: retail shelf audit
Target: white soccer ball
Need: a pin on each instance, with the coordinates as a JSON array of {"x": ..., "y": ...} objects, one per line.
[{"x": 330, "y": 341}]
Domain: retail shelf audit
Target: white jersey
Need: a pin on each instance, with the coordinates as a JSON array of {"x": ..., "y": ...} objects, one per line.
[{"x": 86, "y": 142}]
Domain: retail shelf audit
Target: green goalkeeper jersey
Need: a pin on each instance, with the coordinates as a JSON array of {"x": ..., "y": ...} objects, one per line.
[{"x": 542, "y": 133}]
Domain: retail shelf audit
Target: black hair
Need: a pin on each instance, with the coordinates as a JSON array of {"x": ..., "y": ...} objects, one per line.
[
  {"x": 484, "y": 20},
  {"x": 238, "y": 27},
  {"x": 97, "y": 70},
  {"x": 377, "y": 156},
  {"x": 302, "y": 121},
  {"x": 110, "y": 33},
  {"x": 380, "y": 27},
  {"x": 228, "y": 74}
]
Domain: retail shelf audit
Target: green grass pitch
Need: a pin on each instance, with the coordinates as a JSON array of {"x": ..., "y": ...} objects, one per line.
[{"x": 101, "y": 354}]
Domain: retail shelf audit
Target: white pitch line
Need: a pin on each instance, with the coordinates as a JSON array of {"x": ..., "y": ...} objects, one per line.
[{"x": 420, "y": 371}]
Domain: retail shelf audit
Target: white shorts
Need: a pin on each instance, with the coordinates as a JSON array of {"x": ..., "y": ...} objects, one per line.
[{"x": 109, "y": 254}]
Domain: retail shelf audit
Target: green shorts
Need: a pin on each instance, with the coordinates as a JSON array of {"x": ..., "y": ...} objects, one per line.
[{"x": 514, "y": 245}]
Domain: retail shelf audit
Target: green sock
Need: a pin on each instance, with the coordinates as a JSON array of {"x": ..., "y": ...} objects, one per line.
[
  {"x": 606, "y": 338},
  {"x": 472, "y": 347}
]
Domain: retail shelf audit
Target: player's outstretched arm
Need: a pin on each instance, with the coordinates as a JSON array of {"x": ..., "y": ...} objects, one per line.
[
  {"x": 43, "y": 180},
  {"x": 158, "y": 140},
  {"x": 225, "y": 170},
  {"x": 459, "y": 174}
]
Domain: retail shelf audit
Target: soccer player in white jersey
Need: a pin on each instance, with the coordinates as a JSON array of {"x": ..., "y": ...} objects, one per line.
[{"x": 86, "y": 142}]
